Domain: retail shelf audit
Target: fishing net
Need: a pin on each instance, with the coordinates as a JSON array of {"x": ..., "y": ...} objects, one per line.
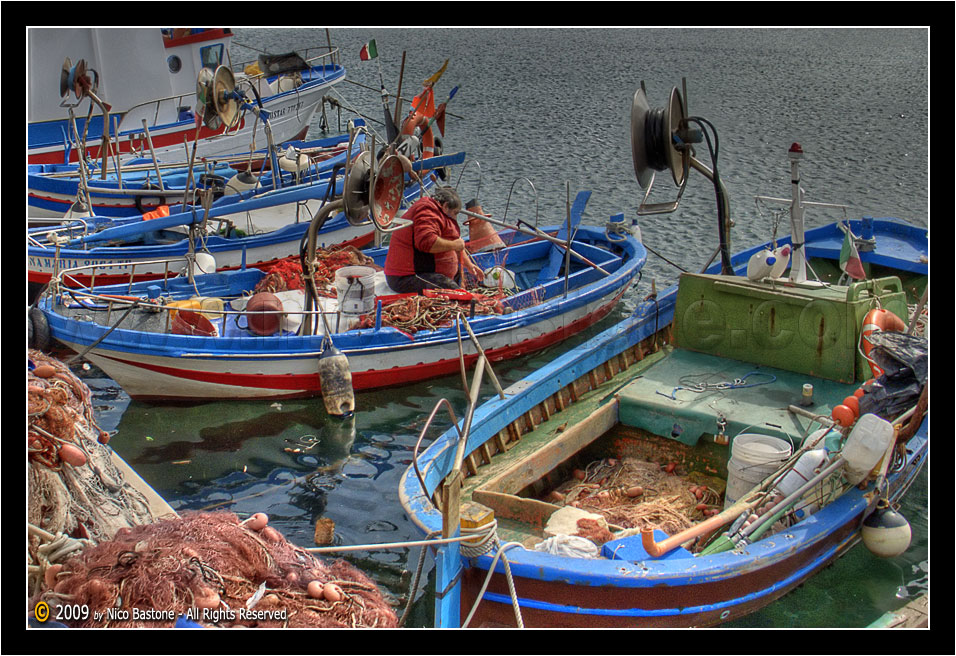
[
  {"x": 633, "y": 493},
  {"x": 217, "y": 571},
  {"x": 417, "y": 312},
  {"x": 70, "y": 506},
  {"x": 287, "y": 273}
]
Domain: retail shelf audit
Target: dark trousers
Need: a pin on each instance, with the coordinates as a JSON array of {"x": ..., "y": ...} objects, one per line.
[{"x": 414, "y": 284}]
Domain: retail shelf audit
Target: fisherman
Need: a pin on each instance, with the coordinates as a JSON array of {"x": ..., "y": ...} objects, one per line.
[{"x": 427, "y": 253}]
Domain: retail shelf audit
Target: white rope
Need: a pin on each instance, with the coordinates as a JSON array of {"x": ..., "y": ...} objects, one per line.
[{"x": 488, "y": 535}]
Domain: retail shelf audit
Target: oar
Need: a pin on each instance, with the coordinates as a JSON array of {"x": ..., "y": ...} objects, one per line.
[{"x": 139, "y": 227}]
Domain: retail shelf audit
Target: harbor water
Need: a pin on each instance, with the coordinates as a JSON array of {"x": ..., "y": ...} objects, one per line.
[{"x": 546, "y": 114}]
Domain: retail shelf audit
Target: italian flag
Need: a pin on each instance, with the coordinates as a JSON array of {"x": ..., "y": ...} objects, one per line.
[
  {"x": 369, "y": 51},
  {"x": 850, "y": 261}
]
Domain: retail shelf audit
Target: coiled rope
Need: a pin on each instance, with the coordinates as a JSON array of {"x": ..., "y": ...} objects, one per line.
[{"x": 487, "y": 540}]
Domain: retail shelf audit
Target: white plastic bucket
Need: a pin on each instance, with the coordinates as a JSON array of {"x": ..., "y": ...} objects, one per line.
[
  {"x": 753, "y": 457},
  {"x": 355, "y": 289}
]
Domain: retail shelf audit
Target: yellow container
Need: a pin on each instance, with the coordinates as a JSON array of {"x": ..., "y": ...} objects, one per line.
[
  {"x": 191, "y": 304},
  {"x": 210, "y": 307}
]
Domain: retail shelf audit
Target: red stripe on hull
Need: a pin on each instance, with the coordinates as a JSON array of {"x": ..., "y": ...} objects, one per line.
[
  {"x": 307, "y": 385},
  {"x": 42, "y": 277}
]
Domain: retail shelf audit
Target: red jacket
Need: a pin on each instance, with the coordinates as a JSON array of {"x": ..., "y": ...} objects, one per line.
[{"x": 408, "y": 250}]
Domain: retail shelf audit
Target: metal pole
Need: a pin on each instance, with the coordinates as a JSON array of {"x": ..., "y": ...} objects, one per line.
[
  {"x": 567, "y": 250},
  {"x": 536, "y": 233},
  {"x": 798, "y": 261},
  {"x": 149, "y": 140}
]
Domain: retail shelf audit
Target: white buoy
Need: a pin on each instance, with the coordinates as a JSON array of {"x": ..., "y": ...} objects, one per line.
[
  {"x": 782, "y": 255},
  {"x": 760, "y": 264},
  {"x": 242, "y": 181},
  {"x": 886, "y": 533}
]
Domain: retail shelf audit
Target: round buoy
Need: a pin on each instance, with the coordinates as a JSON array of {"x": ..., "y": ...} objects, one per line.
[
  {"x": 886, "y": 533},
  {"x": 336, "y": 380},
  {"x": 843, "y": 415},
  {"x": 259, "y": 322},
  {"x": 242, "y": 181}
]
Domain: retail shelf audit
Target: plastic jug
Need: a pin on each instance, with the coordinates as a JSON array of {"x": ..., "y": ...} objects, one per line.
[
  {"x": 803, "y": 470},
  {"x": 865, "y": 445},
  {"x": 782, "y": 255},
  {"x": 760, "y": 264}
]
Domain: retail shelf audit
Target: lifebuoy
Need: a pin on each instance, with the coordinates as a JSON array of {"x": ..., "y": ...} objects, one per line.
[
  {"x": 877, "y": 320},
  {"x": 419, "y": 120}
]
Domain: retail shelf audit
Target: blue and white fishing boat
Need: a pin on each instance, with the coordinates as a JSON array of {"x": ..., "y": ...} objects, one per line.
[
  {"x": 552, "y": 285},
  {"x": 142, "y": 184},
  {"x": 734, "y": 435},
  {"x": 253, "y": 228},
  {"x": 148, "y": 78}
]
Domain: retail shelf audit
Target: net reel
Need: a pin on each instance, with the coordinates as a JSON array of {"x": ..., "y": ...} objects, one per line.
[
  {"x": 217, "y": 98},
  {"x": 77, "y": 78},
  {"x": 662, "y": 140}
]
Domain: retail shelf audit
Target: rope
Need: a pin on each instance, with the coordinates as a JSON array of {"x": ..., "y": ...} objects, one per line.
[
  {"x": 489, "y": 541},
  {"x": 737, "y": 383},
  {"x": 487, "y": 537}
]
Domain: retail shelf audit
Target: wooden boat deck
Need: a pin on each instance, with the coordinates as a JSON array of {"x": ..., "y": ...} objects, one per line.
[{"x": 491, "y": 474}]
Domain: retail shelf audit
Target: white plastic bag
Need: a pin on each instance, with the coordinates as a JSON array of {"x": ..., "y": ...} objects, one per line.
[{"x": 571, "y": 546}]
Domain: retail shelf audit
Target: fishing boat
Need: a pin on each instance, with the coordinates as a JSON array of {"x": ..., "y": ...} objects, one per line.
[
  {"x": 705, "y": 456},
  {"x": 543, "y": 286},
  {"x": 141, "y": 185},
  {"x": 252, "y": 228},
  {"x": 149, "y": 78}
]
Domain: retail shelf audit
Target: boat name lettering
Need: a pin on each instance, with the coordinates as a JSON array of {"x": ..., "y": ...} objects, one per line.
[{"x": 285, "y": 110}]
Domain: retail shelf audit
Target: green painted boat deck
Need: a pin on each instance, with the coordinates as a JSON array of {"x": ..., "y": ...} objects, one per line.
[{"x": 646, "y": 402}]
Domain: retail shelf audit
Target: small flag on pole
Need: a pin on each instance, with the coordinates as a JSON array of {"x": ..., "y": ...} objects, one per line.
[
  {"x": 850, "y": 261},
  {"x": 369, "y": 51},
  {"x": 434, "y": 78}
]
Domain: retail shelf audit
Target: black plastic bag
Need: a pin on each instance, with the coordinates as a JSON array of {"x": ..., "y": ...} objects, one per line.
[
  {"x": 904, "y": 360},
  {"x": 277, "y": 64}
]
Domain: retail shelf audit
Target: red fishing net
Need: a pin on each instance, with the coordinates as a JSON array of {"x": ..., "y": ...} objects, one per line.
[
  {"x": 287, "y": 273},
  {"x": 211, "y": 568}
]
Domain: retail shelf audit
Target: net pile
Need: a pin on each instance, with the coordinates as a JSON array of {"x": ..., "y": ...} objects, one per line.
[
  {"x": 287, "y": 273},
  {"x": 634, "y": 493},
  {"x": 416, "y": 312},
  {"x": 217, "y": 571},
  {"x": 70, "y": 505}
]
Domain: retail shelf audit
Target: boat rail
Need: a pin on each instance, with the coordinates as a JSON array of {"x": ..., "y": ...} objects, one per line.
[
  {"x": 177, "y": 101},
  {"x": 172, "y": 268},
  {"x": 70, "y": 229}
]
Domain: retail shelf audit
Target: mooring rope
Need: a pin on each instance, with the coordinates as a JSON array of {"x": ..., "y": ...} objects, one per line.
[{"x": 487, "y": 537}]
